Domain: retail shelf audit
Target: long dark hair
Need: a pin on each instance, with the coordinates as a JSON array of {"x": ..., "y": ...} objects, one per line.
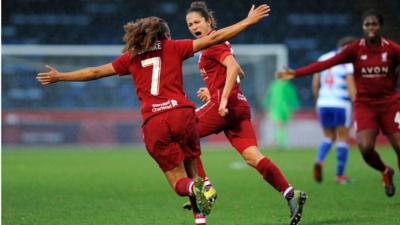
[
  {"x": 141, "y": 35},
  {"x": 201, "y": 7}
]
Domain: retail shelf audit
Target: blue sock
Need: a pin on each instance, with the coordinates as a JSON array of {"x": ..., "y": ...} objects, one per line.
[
  {"x": 323, "y": 150},
  {"x": 342, "y": 153}
]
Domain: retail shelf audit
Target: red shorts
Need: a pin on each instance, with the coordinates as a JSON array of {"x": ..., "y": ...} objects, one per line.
[
  {"x": 384, "y": 117},
  {"x": 236, "y": 125},
  {"x": 171, "y": 137}
]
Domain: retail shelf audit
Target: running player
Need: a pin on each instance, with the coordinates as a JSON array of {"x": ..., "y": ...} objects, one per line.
[
  {"x": 155, "y": 64},
  {"x": 334, "y": 90},
  {"x": 226, "y": 108},
  {"x": 377, "y": 106}
]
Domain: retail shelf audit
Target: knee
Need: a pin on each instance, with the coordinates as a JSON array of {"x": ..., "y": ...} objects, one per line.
[
  {"x": 252, "y": 157},
  {"x": 365, "y": 146}
]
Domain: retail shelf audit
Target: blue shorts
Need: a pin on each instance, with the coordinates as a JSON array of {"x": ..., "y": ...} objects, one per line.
[{"x": 332, "y": 117}]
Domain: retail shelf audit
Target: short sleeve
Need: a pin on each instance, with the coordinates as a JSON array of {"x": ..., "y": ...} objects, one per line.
[
  {"x": 219, "y": 52},
  {"x": 121, "y": 64},
  {"x": 184, "y": 48}
]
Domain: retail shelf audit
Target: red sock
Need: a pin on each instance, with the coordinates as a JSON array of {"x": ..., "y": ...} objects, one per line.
[
  {"x": 183, "y": 186},
  {"x": 199, "y": 218},
  {"x": 272, "y": 175},
  {"x": 200, "y": 169}
]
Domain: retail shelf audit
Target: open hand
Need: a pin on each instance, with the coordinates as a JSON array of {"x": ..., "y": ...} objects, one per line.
[
  {"x": 48, "y": 77},
  {"x": 285, "y": 74}
]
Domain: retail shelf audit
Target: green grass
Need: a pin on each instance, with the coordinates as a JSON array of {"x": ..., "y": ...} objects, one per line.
[{"x": 123, "y": 187}]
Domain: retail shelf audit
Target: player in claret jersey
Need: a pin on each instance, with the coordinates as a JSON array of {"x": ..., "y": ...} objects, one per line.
[
  {"x": 155, "y": 63},
  {"x": 377, "y": 106},
  {"x": 226, "y": 108}
]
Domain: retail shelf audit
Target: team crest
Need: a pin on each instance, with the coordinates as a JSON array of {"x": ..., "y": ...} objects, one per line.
[{"x": 384, "y": 56}]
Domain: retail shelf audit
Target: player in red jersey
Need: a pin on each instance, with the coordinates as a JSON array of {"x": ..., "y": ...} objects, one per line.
[
  {"x": 155, "y": 64},
  {"x": 377, "y": 106},
  {"x": 226, "y": 108}
]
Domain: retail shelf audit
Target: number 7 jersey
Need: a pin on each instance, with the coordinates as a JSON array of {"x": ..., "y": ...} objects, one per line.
[{"x": 157, "y": 76}]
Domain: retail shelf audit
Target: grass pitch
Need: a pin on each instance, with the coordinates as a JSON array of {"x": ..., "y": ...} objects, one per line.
[{"x": 80, "y": 186}]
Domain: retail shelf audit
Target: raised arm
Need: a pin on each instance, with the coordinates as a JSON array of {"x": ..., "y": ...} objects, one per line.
[
  {"x": 255, "y": 15},
  {"x": 85, "y": 74}
]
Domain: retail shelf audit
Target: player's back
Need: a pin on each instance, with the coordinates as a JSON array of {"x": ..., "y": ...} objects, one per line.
[
  {"x": 157, "y": 75},
  {"x": 333, "y": 91}
]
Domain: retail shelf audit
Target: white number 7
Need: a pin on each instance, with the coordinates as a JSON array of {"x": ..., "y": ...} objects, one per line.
[
  {"x": 155, "y": 76},
  {"x": 397, "y": 118}
]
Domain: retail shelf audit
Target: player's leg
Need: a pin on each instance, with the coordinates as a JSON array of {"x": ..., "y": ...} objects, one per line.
[
  {"x": 326, "y": 119},
  {"x": 323, "y": 149},
  {"x": 343, "y": 129},
  {"x": 366, "y": 143},
  {"x": 342, "y": 154},
  {"x": 243, "y": 138}
]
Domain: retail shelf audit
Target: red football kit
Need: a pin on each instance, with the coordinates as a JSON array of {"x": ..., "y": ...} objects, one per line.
[
  {"x": 377, "y": 105},
  {"x": 237, "y": 123},
  {"x": 169, "y": 125}
]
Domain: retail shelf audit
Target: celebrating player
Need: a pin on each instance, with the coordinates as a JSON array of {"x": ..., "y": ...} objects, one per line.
[
  {"x": 377, "y": 106},
  {"x": 226, "y": 108},
  {"x": 155, "y": 64},
  {"x": 334, "y": 90}
]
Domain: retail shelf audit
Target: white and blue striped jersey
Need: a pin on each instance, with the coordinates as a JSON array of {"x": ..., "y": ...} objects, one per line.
[{"x": 333, "y": 86}]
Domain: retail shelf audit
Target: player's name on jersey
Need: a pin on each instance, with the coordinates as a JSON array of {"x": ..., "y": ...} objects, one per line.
[{"x": 157, "y": 46}]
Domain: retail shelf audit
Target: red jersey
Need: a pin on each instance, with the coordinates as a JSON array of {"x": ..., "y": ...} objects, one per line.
[
  {"x": 157, "y": 76},
  {"x": 213, "y": 73},
  {"x": 374, "y": 69}
]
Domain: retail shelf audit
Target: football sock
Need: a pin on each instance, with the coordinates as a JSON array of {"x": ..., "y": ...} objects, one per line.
[
  {"x": 199, "y": 218},
  {"x": 289, "y": 193},
  {"x": 372, "y": 158},
  {"x": 342, "y": 155},
  {"x": 200, "y": 169},
  {"x": 323, "y": 150},
  {"x": 272, "y": 175},
  {"x": 184, "y": 187}
]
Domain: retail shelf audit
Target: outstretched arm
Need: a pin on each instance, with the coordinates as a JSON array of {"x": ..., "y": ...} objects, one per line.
[
  {"x": 255, "y": 15},
  {"x": 85, "y": 74},
  {"x": 339, "y": 58}
]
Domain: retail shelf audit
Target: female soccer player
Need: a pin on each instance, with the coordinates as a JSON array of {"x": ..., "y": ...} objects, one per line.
[
  {"x": 334, "y": 91},
  {"x": 155, "y": 64},
  {"x": 226, "y": 108},
  {"x": 377, "y": 106}
]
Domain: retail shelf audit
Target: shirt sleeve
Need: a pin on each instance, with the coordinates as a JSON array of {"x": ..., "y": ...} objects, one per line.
[
  {"x": 219, "y": 52},
  {"x": 341, "y": 57},
  {"x": 397, "y": 52},
  {"x": 121, "y": 64},
  {"x": 184, "y": 48}
]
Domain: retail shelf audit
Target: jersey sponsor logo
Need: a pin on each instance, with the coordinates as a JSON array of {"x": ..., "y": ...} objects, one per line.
[
  {"x": 164, "y": 105},
  {"x": 384, "y": 57},
  {"x": 374, "y": 71}
]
